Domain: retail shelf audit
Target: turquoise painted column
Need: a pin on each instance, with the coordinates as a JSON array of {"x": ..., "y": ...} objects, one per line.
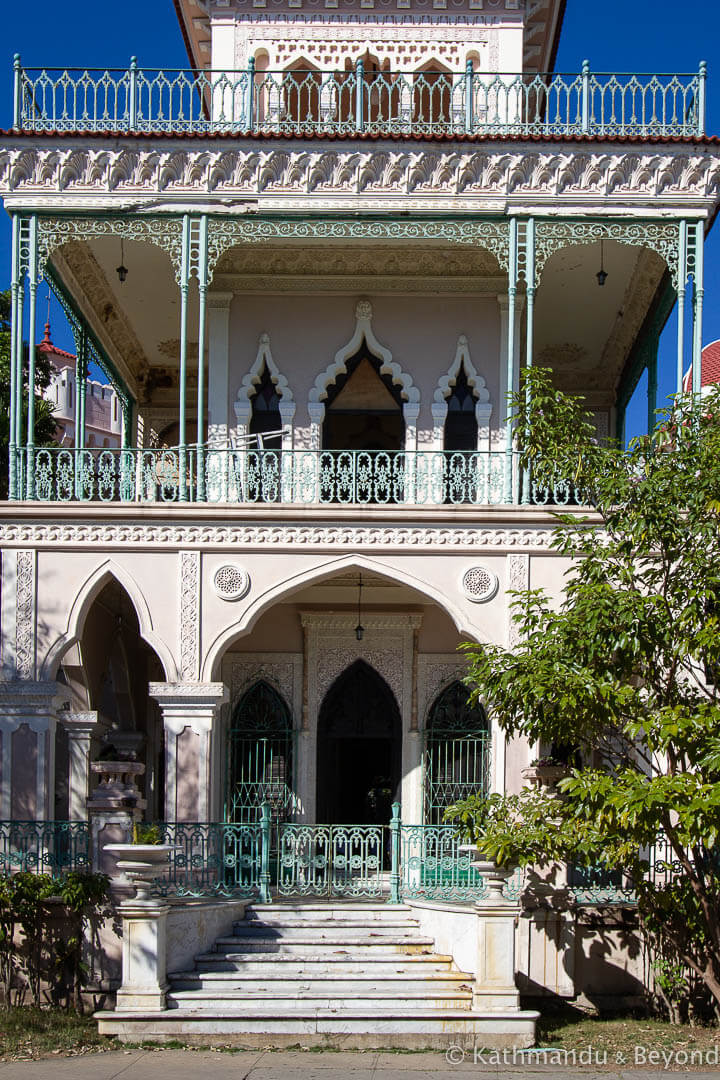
[
  {"x": 19, "y": 373},
  {"x": 682, "y": 283},
  {"x": 529, "y": 325},
  {"x": 510, "y": 359},
  {"x": 202, "y": 325},
  {"x": 395, "y": 838},
  {"x": 698, "y": 294},
  {"x": 80, "y": 378},
  {"x": 184, "y": 283},
  {"x": 14, "y": 289},
  {"x": 32, "y": 337}
]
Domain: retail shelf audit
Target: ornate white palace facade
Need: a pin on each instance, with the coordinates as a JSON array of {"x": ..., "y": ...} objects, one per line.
[{"x": 312, "y": 268}]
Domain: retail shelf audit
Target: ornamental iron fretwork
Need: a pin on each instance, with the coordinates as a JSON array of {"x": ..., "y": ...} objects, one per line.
[{"x": 260, "y": 757}]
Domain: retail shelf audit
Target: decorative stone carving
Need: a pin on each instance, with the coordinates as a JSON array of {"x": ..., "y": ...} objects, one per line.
[
  {"x": 24, "y": 615},
  {"x": 668, "y": 174},
  {"x": 283, "y": 671},
  {"x": 190, "y": 614},
  {"x": 231, "y": 582},
  {"x": 274, "y": 537},
  {"x": 518, "y": 578},
  {"x": 436, "y": 671},
  {"x": 479, "y": 584}
]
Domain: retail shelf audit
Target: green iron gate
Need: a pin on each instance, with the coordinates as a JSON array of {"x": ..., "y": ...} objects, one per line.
[
  {"x": 457, "y": 752},
  {"x": 260, "y": 750}
]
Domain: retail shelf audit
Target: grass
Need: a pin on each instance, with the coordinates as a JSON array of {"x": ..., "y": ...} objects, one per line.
[
  {"x": 29, "y": 1032},
  {"x": 625, "y": 1039}
]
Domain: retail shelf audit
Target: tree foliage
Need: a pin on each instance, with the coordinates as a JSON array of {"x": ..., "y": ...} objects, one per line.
[
  {"x": 44, "y": 419},
  {"x": 623, "y": 671}
]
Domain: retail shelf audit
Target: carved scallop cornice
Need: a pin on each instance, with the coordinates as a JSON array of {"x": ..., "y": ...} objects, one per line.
[{"x": 671, "y": 175}]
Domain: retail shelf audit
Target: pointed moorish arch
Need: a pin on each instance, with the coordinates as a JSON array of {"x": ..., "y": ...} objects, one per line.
[
  {"x": 248, "y": 388},
  {"x": 364, "y": 334},
  {"x": 93, "y": 585},
  {"x": 446, "y": 382},
  {"x": 282, "y": 590}
]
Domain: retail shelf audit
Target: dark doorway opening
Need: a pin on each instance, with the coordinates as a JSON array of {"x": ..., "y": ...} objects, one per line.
[
  {"x": 363, "y": 410},
  {"x": 359, "y": 748}
]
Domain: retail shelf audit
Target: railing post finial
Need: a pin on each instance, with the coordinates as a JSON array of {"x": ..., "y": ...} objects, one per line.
[
  {"x": 133, "y": 94},
  {"x": 265, "y": 840},
  {"x": 17, "y": 92},
  {"x": 702, "y": 81},
  {"x": 585, "y": 101}
]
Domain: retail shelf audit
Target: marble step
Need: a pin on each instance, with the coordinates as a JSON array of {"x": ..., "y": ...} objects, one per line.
[
  {"x": 324, "y": 932},
  {"x": 330, "y": 910},
  {"x": 325, "y": 983},
  {"x": 319, "y": 922},
  {"x": 396, "y": 1027},
  {"x": 291, "y": 1003},
  {"x": 215, "y": 965},
  {"x": 329, "y": 938}
]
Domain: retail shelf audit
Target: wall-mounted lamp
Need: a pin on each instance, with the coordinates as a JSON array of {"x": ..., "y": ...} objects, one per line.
[
  {"x": 601, "y": 274},
  {"x": 121, "y": 270}
]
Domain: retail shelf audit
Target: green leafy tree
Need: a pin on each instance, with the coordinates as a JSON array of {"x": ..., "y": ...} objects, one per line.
[
  {"x": 44, "y": 419},
  {"x": 624, "y": 673}
]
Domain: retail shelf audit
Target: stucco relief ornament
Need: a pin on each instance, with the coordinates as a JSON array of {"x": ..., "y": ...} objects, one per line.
[
  {"x": 231, "y": 582},
  {"x": 479, "y": 584}
]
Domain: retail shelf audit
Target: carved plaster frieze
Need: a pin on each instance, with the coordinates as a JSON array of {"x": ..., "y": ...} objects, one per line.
[
  {"x": 25, "y": 615},
  {"x": 518, "y": 579},
  {"x": 273, "y": 537},
  {"x": 672, "y": 174},
  {"x": 283, "y": 671},
  {"x": 189, "y": 630},
  {"x": 436, "y": 671}
]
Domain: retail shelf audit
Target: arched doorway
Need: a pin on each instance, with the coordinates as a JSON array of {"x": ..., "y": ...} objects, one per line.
[
  {"x": 359, "y": 749},
  {"x": 457, "y": 752},
  {"x": 259, "y": 756}
]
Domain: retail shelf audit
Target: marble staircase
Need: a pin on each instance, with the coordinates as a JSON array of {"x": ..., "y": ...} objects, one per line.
[{"x": 335, "y": 973}]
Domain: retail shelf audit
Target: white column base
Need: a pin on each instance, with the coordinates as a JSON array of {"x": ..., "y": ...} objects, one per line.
[{"x": 144, "y": 956}]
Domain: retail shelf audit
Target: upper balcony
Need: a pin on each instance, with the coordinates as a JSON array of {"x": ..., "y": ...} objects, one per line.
[{"x": 431, "y": 102}]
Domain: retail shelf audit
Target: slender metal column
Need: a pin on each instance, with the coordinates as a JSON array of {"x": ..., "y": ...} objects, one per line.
[
  {"x": 32, "y": 337},
  {"x": 14, "y": 288},
  {"x": 19, "y": 372},
  {"x": 512, "y": 292},
  {"x": 80, "y": 380},
  {"x": 529, "y": 325},
  {"x": 682, "y": 282},
  {"x": 202, "y": 324},
  {"x": 184, "y": 279},
  {"x": 698, "y": 294}
]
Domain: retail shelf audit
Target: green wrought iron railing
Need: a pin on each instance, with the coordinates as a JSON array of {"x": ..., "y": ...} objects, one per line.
[
  {"x": 44, "y": 847},
  {"x": 358, "y": 100},
  {"x": 298, "y": 477}
]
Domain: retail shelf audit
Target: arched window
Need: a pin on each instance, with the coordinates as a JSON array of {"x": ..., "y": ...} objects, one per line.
[
  {"x": 461, "y": 427},
  {"x": 457, "y": 751},
  {"x": 259, "y": 758},
  {"x": 265, "y": 415}
]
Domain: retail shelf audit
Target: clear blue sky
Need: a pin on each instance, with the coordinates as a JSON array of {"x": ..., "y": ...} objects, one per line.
[{"x": 615, "y": 35}]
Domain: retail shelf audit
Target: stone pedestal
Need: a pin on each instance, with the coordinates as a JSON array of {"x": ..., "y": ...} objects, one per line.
[
  {"x": 80, "y": 729},
  {"x": 189, "y": 711},
  {"x": 28, "y": 715},
  {"x": 113, "y": 809},
  {"x": 495, "y": 987},
  {"x": 144, "y": 956}
]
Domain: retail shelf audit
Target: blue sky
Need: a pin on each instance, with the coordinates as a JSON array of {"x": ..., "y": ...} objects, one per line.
[{"x": 615, "y": 35}]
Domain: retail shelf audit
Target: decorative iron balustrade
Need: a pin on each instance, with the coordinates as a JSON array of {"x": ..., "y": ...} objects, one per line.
[
  {"x": 360, "y": 100},
  {"x": 298, "y": 477},
  {"x": 214, "y": 859},
  {"x": 331, "y": 860},
  {"x": 44, "y": 847}
]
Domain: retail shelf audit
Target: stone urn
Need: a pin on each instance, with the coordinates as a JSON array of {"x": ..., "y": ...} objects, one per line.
[
  {"x": 494, "y": 876},
  {"x": 141, "y": 864},
  {"x": 545, "y": 777}
]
